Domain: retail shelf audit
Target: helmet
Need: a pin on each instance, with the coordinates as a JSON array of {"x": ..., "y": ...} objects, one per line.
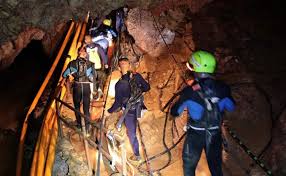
[
  {"x": 202, "y": 62},
  {"x": 107, "y": 22}
]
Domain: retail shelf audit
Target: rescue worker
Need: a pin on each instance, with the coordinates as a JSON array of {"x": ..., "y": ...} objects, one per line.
[
  {"x": 97, "y": 55},
  {"x": 205, "y": 101},
  {"x": 122, "y": 94},
  {"x": 83, "y": 73},
  {"x": 105, "y": 29}
]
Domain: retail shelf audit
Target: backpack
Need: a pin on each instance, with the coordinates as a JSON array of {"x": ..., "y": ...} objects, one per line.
[
  {"x": 135, "y": 90},
  {"x": 213, "y": 115},
  {"x": 81, "y": 68},
  {"x": 93, "y": 56}
]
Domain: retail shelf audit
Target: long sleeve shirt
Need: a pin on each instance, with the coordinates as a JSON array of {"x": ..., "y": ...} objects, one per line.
[
  {"x": 73, "y": 70},
  {"x": 122, "y": 90},
  {"x": 190, "y": 100}
]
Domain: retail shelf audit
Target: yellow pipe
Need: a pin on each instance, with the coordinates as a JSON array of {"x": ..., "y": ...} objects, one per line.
[
  {"x": 35, "y": 101},
  {"x": 52, "y": 149},
  {"x": 53, "y": 141},
  {"x": 44, "y": 151},
  {"x": 45, "y": 148},
  {"x": 41, "y": 160},
  {"x": 43, "y": 138},
  {"x": 41, "y": 152}
]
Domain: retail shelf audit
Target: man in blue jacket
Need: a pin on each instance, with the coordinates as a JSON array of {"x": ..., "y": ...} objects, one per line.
[
  {"x": 122, "y": 95},
  {"x": 205, "y": 101},
  {"x": 83, "y": 72}
]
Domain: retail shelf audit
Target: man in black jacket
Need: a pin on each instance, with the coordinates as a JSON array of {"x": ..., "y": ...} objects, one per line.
[
  {"x": 122, "y": 95},
  {"x": 205, "y": 100}
]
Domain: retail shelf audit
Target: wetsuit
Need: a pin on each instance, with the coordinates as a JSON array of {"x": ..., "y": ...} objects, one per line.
[
  {"x": 204, "y": 123},
  {"x": 83, "y": 72}
]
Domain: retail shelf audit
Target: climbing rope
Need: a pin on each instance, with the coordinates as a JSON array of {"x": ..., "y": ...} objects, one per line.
[
  {"x": 247, "y": 150},
  {"x": 167, "y": 149},
  {"x": 232, "y": 134},
  {"x": 260, "y": 89},
  {"x": 169, "y": 50},
  {"x": 145, "y": 151},
  {"x": 104, "y": 106}
]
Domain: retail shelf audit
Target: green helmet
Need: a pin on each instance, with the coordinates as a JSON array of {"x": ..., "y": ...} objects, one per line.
[{"x": 202, "y": 62}]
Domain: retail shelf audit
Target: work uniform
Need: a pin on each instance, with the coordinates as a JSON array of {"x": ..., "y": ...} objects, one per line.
[
  {"x": 122, "y": 94},
  {"x": 204, "y": 124},
  {"x": 83, "y": 72}
]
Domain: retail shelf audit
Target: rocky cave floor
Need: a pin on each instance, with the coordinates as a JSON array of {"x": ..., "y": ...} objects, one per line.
[{"x": 249, "y": 46}]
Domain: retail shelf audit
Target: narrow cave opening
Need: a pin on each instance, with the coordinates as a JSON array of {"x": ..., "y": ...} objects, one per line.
[
  {"x": 19, "y": 84},
  {"x": 21, "y": 81}
]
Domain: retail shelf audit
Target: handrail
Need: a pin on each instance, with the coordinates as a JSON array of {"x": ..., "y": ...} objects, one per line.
[
  {"x": 121, "y": 140},
  {"x": 50, "y": 122},
  {"x": 35, "y": 101},
  {"x": 44, "y": 153},
  {"x": 84, "y": 116},
  {"x": 83, "y": 30}
]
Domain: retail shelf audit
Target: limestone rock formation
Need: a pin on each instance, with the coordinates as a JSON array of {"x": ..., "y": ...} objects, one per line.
[{"x": 19, "y": 18}]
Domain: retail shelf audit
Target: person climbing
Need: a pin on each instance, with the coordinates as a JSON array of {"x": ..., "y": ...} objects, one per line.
[
  {"x": 106, "y": 30},
  {"x": 129, "y": 86},
  {"x": 206, "y": 99},
  {"x": 97, "y": 55},
  {"x": 83, "y": 73},
  {"x": 104, "y": 36}
]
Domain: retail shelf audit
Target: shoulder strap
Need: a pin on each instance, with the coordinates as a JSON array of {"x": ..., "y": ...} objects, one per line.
[{"x": 211, "y": 105}]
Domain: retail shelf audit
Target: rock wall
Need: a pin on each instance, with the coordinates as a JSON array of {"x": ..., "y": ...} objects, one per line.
[
  {"x": 275, "y": 156},
  {"x": 10, "y": 49},
  {"x": 18, "y": 17}
]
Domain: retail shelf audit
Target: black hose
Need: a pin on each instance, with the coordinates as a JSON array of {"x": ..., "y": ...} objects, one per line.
[
  {"x": 103, "y": 117},
  {"x": 267, "y": 97},
  {"x": 168, "y": 150},
  {"x": 235, "y": 137},
  {"x": 145, "y": 151}
]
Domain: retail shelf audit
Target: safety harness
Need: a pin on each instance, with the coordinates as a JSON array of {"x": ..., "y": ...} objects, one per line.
[
  {"x": 211, "y": 107},
  {"x": 135, "y": 100}
]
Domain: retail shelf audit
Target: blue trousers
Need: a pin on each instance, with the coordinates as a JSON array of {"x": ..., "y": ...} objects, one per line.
[
  {"x": 195, "y": 142},
  {"x": 130, "y": 122}
]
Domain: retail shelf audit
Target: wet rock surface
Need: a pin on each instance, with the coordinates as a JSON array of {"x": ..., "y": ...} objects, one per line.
[{"x": 68, "y": 160}]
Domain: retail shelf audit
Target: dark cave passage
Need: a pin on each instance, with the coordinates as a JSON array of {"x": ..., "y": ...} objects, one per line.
[{"x": 20, "y": 83}]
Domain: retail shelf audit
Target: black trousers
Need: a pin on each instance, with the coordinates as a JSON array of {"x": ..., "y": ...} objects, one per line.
[
  {"x": 81, "y": 93},
  {"x": 195, "y": 142},
  {"x": 100, "y": 80}
]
